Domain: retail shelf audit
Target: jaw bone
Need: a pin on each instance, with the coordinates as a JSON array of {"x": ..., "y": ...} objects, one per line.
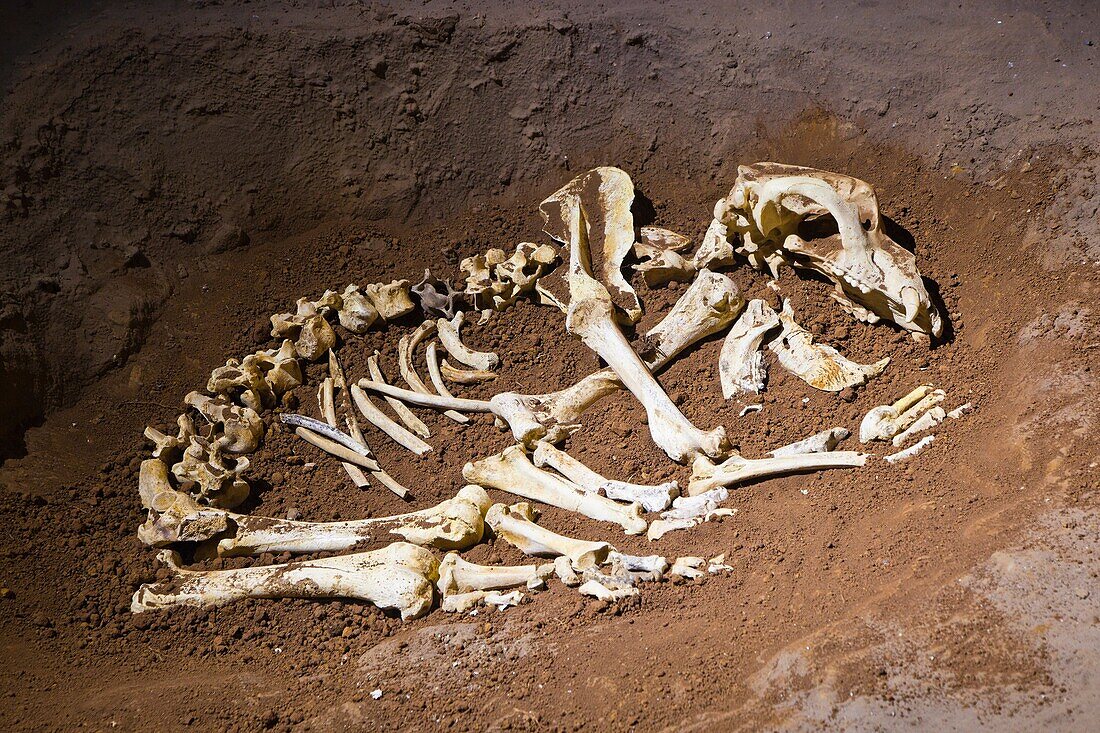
[
  {"x": 397, "y": 577},
  {"x": 741, "y": 366},
  {"x": 706, "y": 476},
  {"x": 874, "y": 277},
  {"x": 651, "y": 498},
  {"x": 515, "y": 525},
  {"x": 818, "y": 365},
  {"x": 452, "y": 342},
  {"x": 591, "y": 317},
  {"x": 513, "y": 472}
]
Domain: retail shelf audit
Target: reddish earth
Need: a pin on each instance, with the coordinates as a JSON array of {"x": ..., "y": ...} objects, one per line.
[{"x": 175, "y": 173}]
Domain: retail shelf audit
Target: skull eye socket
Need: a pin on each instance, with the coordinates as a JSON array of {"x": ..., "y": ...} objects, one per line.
[
  {"x": 866, "y": 225},
  {"x": 818, "y": 227}
]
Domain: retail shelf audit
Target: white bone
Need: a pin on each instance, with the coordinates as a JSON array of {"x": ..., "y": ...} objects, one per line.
[
  {"x": 741, "y": 366},
  {"x": 215, "y": 478},
  {"x": 716, "y": 250},
  {"x": 382, "y": 421},
  {"x": 169, "y": 447},
  {"x": 406, "y": 347},
  {"x": 960, "y": 411},
  {"x": 822, "y": 442},
  {"x": 513, "y": 472},
  {"x": 717, "y": 564},
  {"x": 911, "y": 451},
  {"x": 688, "y": 567},
  {"x": 563, "y": 568},
  {"x": 465, "y": 376},
  {"x": 639, "y": 563},
  {"x": 356, "y": 312},
  {"x": 651, "y": 498},
  {"x": 452, "y": 342},
  {"x": 460, "y": 576},
  {"x": 397, "y": 577},
  {"x": 661, "y": 261},
  {"x": 239, "y": 429},
  {"x": 711, "y": 302},
  {"x": 706, "y": 475},
  {"x": 404, "y": 414},
  {"x": 886, "y": 421},
  {"x": 515, "y": 526},
  {"x": 347, "y": 456},
  {"x": 326, "y": 401},
  {"x": 391, "y": 300},
  {"x": 818, "y": 365},
  {"x": 601, "y": 592},
  {"x": 431, "y": 355},
  {"x": 463, "y": 602},
  {"x": 307, "y": 328},
  {"x": 927, "y": 421},
  {"x": 689, "y": 511}
]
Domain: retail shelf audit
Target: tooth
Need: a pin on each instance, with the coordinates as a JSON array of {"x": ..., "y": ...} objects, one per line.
[{"x": 910, "y": 298}]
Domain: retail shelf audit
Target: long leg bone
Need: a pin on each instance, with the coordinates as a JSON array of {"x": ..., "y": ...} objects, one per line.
[
  {"x": 380, "y": 420},
  {"x": 651, "y": 498},
  {"x": 459, "y": 576},
  {"x": 404, "y": 414},
  {"x": 406, "y": 347},
  {"x": 818, "y": 365},
  {"x": 515, "y": 526},
  {"x": 397, "y": 577},
  {"x": 741, "y": 366},
  {"x": 452, "y": 342},
  {"x": 513, "y": 472},
  {"x": 736, "y": 470}
]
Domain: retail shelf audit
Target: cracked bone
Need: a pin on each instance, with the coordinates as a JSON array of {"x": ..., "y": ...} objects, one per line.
[
  {"x": 452, "y": 342},
  {"x": 651, "y": 498},
  {"x": 174, "y": 516},
  {"x": 437, "y": 297},
  {"x": 463, "y": 602},
  {"x": 406, "y": 347},
  {"x": 307, "y": 328},
  {"x": 661, "y": 261},
  {"x": 514, "y": 524},
  {"x": 822, "y": 442},
  {"x": 512, "y": 471},
  {"x": 404, "y": 414},
  {"x": 204, "y": 470},
  {"x": 874, "y": 277},
  {"x": 927, "y": 421},
  {"x": 460, "y": 576},
  {"x": 915, "y": 449},
  {"x": 741, "y": 365},
  {"x": 818, "y": 365},
  {"x": 601, "y": 198},
  {"x": 464, "y": 376},
  {"x": 397, "y": 577},
  {"x": 356, "y": 312},
  {"x": 736, "y": 469},
  {"x": 716, "y": 251},
  {"x": 240, "y": 427},
  {"x": 382, "y": 421},
  {"x": 689, "y": 511},
  {"x": 886, "y": 421},
  {"x": 591, "y": 317},
  {"x": 601, "y": 592},
  {"x": 391, "y": 300},
  {"x": 169, "y": 447}
]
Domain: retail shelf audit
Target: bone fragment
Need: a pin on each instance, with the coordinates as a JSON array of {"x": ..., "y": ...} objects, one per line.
[
  {"x": 960, "y": 411},
  {"x": 713, "y": 299},
  {"x": 661, "y": 261},
  {"x": 563, "y": 568},
  {"x": 465, "y": 376},
  {"x": 927, "y": 421},
  {"x": 513, "y": 472},
  {"x": 307, "y": 328},
  {"x": 886, "y": 421},
  {"x": 717, "y": 564},
  {"x": 397, "y": 577},
  {"x": 460, "y": 576},
  {"x": 380, "y": 420},
  {"x": 601, "y": 592},
  {"x": 173, "y": 515},
  {"x": 911, "y": 451},
  {"x": 741, "y": 365},
  {"x": 404, "y": 414},
  {"x": 689, "y": 567},
  {"x": 706, "y": 475},
  {"x": 688, "y": 511},
  {"x": 452, "y": 342},
  {"x": 515, "y": 526},
  {"x": 240, "y": 428},
  {"x": 651, "y": 498},
  {"x": 169, "y": 447},
  {"x": 391, "y": 300},
  {"x": 822, "y": 442},
  {"x": 217, "y": 479},
  {"x": 463, "y": 602},
  {"x": 818, "y": 365}
]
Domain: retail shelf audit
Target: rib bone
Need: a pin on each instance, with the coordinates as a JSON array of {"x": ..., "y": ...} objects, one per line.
[
  {"x": 886, "y": 421},
  {"x": 404, "y": 414},
  {"x": 452, "y": 342},
  {"x": 705, "y": 475},
  {"x": 380, "y": 420},
  {"x": 741, "y": 365},
  {"x": 515, "y": 526},
  {"x": 397, "y": 577},
  {"x": 406, "y": 347},
  {"x": 513, "y": 472},
  {"x": 651, "y": 498}
]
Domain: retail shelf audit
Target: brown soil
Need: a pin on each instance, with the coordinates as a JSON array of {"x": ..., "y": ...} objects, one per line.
[{"x": 173, "y": 175}]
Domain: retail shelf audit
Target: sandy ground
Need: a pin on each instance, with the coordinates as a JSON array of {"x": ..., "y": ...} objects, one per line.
[{"x": 175, "y": 173}]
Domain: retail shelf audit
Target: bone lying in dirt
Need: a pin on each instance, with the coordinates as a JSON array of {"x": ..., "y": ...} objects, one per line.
[
  {"x": 452, "y": 342},
  {"x": 431, "y": 355},
  {"x": 601, "y": 592},
  {"x": 818, "y": 365},
  {"x": 822, "y": 442},
  {"x": 515, "y": 525},
  {"x": 437, "y": 297},
  {"x": 927, "y": 421},
  {"x": 886, "y": 421},
  {"x": 651, "y": 498},
  {"x": 404, "y": 414},
  {"x": 658, "y": 251},
  {"x": 348, "y": 457},
  {"x": 240, "y": 427},
  {"x": 460, "y": 576},
  {"x": 380, "y": 420},
  {"x": 326, "y": 400},
  {"x": 463, "y": 602},
  {"x": 397, "y": 577},
  {"x": 706, "y": 475},
  {"x": 915, "y": 449},
  {"x": 591, "y": 317},
  {"x": 773, "y": 206},
  {"x": 464, "y": 376},
  {"x": 391, "y": 300},
  {"x": 513, "y": 472},
  {"x": 741, "y": 365},
  {"x": 406, "y": 347},
  {"x": 689, "y": 511},
  {"x": 327, "y": 431}
]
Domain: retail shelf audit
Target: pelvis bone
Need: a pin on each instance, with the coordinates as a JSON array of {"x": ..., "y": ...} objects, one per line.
[
  {"x": 778, "y": 209},
  {"x": 398, "y": 577}
]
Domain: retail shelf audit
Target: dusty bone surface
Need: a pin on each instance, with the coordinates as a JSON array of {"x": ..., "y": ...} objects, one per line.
[
  {"x": 652, "y": 498},
  {"x": 706, "y": 475},
  {"x": 886, "y": 421},
  {"x": 819, "y": 365},
  {"x": 741, "y": 365},
  {"x": 515, "y": 525},
  {"x": 451, "y": 339},
  {"x": 461, "y": 576},
  {"x": 821, "y": 442}
]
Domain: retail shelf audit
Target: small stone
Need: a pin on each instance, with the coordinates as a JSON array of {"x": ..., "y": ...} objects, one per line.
[
  {"x": 1082, "y": 593},
  {"x": 376, "y": 694}
]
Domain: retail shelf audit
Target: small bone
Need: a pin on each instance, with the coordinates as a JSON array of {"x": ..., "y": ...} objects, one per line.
[
  {"x": 705, "y": 475},
  {"x": 452, "y": 342},
  {"x": 601, "y": 592},
  {"x": 886, "y": 421},
  {"x": 169, "y": 447},
  {"x": 689, "y": 511},
  {"x": 333, "y": 448},
  {"x": 463, "y": 602},
  {"x": 651, "y": 498},
  {"x": 911, "y": 451},
  {"x": 818, "y": 365},
  {"x": 391, "y": 300},
  {"x": 406, "y": 347},
  {"x": 459, "y": 576},
  {"x": 822, "y": 442},
  {"x": 397, "y": 577},
  {"x": 437, "y": 297},
  {"x": 927, "y": 421},
  {"x": 563, "y": 568},
  {"x": 327, "y": 431},
  {"x": 465, "y": 376},
  {"x": 717, "y": 564},
  {"x": 515, "y": 526},
  {"x": 688, "y": 567},
  {"x": 404, "y": 414},
  {"x": 241, "y": 428},
  {"x": 741, "y": 365},
  {"x": 356, "y": 313},
  {"x": 656, "y": 564},
  {"x": 960, "y": 411},
  {"x": 513, "y": 472},
  {"x": 380, "y": 420}
]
